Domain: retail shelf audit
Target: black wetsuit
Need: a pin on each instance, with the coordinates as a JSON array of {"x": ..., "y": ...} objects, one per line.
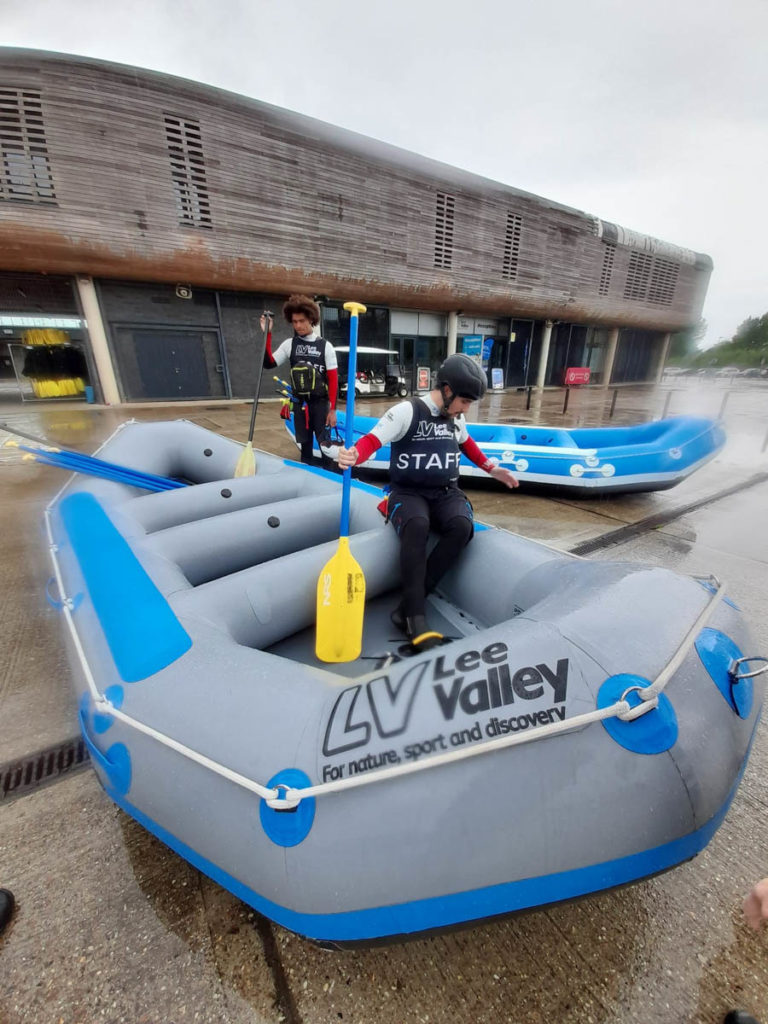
[{"x": 424, "y": 471}]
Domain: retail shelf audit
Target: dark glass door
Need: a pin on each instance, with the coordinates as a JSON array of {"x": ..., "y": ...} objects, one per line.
[{"x": 519, "y": 353}]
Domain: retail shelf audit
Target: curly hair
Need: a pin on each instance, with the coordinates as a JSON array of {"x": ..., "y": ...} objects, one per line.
[{"x": 302, "y": 304}]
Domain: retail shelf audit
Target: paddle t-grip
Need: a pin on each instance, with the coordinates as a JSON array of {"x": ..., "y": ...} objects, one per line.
[{"x": 355, "y": 308}]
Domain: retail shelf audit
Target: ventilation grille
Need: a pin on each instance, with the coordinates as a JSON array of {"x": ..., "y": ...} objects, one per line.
[
  {"x": 651, "y": 279},
  {"x": 511, "y": 247},
  {"x": 444, "y": 231},
  {"x": 185, "y": 146},
  {"x": 25, "y": 172},
  {"x": 663, "y": 282},
  {"x": 638, "y": 275},
  {"x": 609, "y": 253}
]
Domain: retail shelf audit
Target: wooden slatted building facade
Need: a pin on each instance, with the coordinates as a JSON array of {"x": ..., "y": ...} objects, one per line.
[{"x": 189, "y": 209}]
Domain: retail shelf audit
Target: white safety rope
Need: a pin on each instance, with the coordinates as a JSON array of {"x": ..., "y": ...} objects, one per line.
[
  {"x": 106, "y": 707},
  {"x": 651, "y": 692},
  {"x": 286, "y": 798}
]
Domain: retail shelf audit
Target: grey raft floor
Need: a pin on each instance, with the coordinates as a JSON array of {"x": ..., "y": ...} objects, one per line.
[{"x": 382, "y": 642}]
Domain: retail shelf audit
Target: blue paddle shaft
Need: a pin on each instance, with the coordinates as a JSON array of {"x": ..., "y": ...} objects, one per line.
[
  {"x": 77, "y": 462},
  {"x": 349, "y": 435}
]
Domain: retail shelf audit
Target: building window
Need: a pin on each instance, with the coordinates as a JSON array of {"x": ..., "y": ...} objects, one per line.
[
  {"x": 609, "y": 252},
  {"x": 185, "y": 147},
  {"x": 661, "y": 290},
  {"x": 511, "y": 247},
  {"x": 638, "y": 275},
  {"x": 25, "y": 171},
  {"x": 444, "y": 231}
]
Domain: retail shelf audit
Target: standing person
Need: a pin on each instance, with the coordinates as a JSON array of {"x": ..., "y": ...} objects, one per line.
[
  {"x": 427, "y": 436},
  {"x": 314, "y": 374}
]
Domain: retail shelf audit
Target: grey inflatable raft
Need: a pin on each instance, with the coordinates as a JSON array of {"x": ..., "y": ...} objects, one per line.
[{"x": 587, "y": 724}]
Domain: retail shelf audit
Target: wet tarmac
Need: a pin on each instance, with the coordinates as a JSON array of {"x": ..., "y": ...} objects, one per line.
[{"x": 112, "y": 926}]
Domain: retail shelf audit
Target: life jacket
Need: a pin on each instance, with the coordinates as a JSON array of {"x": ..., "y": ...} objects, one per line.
[
  {"x": 308, "y": 369},
  {"x": 428, "y": 455}
]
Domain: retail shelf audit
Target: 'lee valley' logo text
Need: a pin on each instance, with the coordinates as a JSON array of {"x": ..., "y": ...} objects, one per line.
[
  {"x": 475, "y": 682},
  {"x": 428, "y": 430},
  {"x": 307, "y": 349}
]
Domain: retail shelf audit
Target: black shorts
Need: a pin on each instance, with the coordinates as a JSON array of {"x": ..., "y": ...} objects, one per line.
[
  {"x": 439, "y": 505},
  {"x": 317, "y": 407}
]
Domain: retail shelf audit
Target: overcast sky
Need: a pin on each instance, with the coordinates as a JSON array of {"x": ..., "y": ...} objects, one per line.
[{"x": 651, "y": 115}]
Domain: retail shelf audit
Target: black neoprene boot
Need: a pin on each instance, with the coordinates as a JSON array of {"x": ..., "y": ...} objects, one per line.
[
  {"x": 740, "y": 1017},
  {"x": 397, "y": 617},
  {"x": 421, "y": 636},
  {"x": 6, "y": 907},
  {"x": 416, "y": 629}
]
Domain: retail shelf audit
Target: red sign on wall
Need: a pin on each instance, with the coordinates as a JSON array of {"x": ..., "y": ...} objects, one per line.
[{"x": 576, "y": 375}]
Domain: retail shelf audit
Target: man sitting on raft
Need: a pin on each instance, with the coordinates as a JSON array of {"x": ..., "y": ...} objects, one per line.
[{"x": 427, "y": 436}]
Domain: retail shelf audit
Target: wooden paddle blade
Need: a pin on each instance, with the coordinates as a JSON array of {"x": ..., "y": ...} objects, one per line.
[
  {"x": 340, "y": 607},
  {"x": 246, "y": 463}
]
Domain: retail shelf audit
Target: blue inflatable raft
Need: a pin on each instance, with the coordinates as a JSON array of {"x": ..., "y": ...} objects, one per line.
[
  {"x": 586, "y": 724},
  {"x": 646, "y": 457}
]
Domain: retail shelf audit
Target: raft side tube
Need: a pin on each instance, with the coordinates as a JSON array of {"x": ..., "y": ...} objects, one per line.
[
  {"x": 265, "y": 604},
  {"x": 520, "y": 437},
  {"x": 221, "y": 497},
  {"x": 486, "y": 581},
  {"x": 176, "y": 449},
  {"x": 143, "y": 634},
  {"x": 225, "y": 544},
  {"x": 656, "y": 436}
]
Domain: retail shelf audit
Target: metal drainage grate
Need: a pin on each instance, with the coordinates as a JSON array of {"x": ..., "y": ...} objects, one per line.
[{"x": 17, "y": 778}]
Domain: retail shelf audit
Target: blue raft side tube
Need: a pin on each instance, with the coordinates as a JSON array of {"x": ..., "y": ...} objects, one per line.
[
  {"x": 143, "y": 634},
  {"x": 400, "y": 919}
]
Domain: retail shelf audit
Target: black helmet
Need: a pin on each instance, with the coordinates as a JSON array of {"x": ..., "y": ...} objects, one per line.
[{"x": 463, "y": 376}]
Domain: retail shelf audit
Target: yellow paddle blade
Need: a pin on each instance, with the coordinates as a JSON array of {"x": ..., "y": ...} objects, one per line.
[
  {"x": 340, "y": 607},
  {"x": 246, "y": 463}
]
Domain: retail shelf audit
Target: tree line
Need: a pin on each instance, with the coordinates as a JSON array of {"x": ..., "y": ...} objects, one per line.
[{"x": 748, "y": 347}]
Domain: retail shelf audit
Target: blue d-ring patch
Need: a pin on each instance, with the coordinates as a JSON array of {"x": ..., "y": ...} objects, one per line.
[
  {"x": 718, "y": 652},
  {"x": 651, "y": 733},
  {"x": 101, "y": 722},
  {"x": 289, "y": 828},
  {"x": 115, "y": 763}
]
